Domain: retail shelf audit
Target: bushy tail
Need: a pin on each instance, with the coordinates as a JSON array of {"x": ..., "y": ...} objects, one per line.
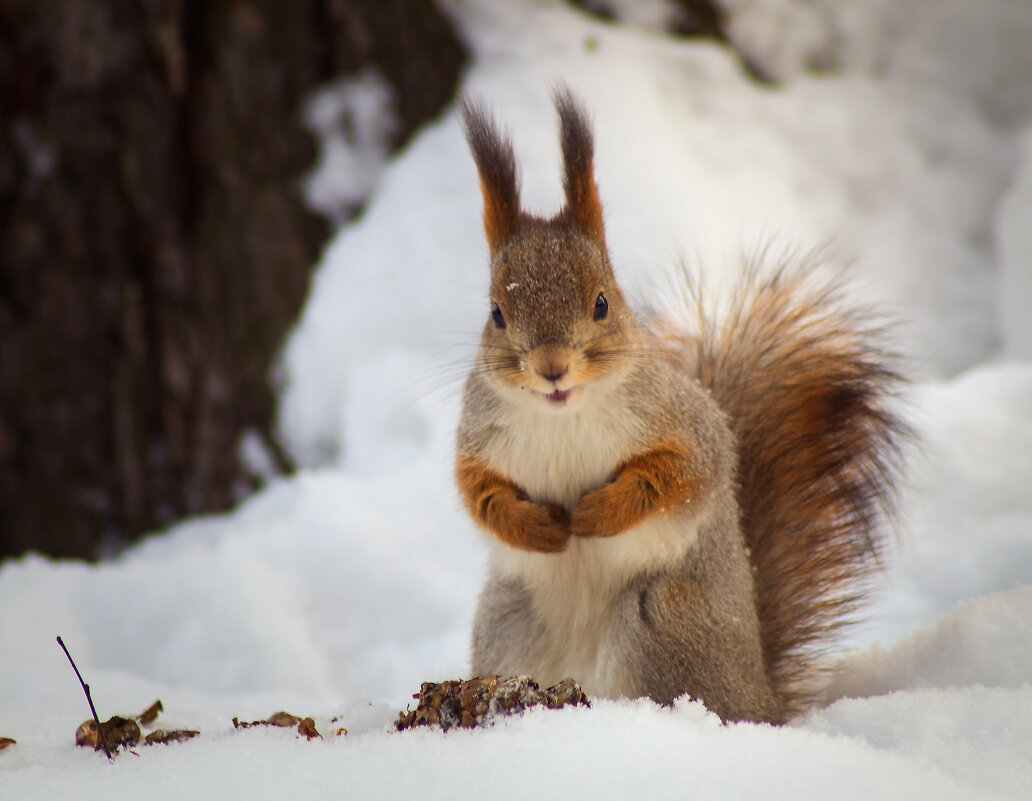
[{"x": 807, "y": 386}]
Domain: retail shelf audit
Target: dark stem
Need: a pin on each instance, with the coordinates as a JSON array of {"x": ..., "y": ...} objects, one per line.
[{"x": 89, "y": 698}]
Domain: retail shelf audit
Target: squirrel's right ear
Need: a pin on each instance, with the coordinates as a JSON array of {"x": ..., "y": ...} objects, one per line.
[{"x": 496, "y": 164}]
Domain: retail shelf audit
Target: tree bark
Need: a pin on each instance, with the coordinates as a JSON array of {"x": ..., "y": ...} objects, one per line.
[{"x": 153, "y": 246}]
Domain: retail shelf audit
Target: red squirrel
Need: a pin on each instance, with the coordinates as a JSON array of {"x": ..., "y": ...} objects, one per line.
[{"x": 688, "y": 509}]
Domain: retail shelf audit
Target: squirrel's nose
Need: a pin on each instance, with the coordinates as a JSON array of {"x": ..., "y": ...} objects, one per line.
[{"x": 553, "y": 372}]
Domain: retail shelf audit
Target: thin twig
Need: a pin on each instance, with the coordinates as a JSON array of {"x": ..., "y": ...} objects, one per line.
[{"x": 89, "y": 698}]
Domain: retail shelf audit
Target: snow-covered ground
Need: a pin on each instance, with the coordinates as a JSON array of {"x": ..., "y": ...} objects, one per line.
[{"x": 337, "y": 591}]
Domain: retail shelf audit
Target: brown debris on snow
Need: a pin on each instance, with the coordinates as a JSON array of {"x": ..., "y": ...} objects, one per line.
[
  {"x": 285, "y": 720},
  {"x": 475, "y": 702}
]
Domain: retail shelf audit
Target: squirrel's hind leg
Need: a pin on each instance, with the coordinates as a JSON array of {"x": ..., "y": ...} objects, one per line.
[
  {"x": 686, "y": 635},
  {"x": 506, "y": 631}
]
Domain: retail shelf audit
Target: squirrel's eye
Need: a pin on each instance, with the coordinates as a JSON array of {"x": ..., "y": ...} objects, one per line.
[
  {"x": 601, "y": 307},
  {"x": 496, "y": 315}
]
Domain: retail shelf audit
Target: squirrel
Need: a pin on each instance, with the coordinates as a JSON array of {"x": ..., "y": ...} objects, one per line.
[{"x": 673, "y": 509}]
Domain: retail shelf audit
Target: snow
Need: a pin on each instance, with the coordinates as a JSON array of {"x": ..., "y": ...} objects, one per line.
[
  {"x": 336, "y": 591},
  {"x": 1014, "y": 245},
  {"x": 352, "y": 120}
]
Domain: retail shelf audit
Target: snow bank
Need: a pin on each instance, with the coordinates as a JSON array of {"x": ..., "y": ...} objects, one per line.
[
  {"x": 1014, "y": 245},
  {"x": 337, "y": 591}
]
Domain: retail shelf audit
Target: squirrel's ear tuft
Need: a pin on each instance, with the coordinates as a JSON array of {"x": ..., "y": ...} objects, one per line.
[
  {"x": 583, "y": 207},
  {"x": 496, "y": 164}
]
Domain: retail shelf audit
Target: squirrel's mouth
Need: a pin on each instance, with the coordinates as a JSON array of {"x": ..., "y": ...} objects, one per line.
[{"x": 557, "y": 397}]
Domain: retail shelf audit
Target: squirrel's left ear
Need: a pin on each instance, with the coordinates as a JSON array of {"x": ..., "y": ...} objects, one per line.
[{"x": 583, "y": 207}]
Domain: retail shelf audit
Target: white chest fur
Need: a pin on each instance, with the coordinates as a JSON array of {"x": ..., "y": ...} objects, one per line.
[{"x": 556, "y": 458}]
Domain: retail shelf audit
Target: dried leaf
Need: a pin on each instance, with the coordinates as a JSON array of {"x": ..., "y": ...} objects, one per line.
[
  {"x": 284, "y": 719},
  {"x": 118, "y": 731},
  {"x": 6, "y": 742},
  {"x": 307, "y": 728},
  {"x": 475, "y": 702},
  {"x": 166, "y": 736},
  {"x": 150, "y": 714}
]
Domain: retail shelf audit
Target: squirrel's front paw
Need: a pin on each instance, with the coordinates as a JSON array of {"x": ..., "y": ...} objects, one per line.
[
  {"x": 544, "y": 527},
  {"x": 593, "y": 516}
]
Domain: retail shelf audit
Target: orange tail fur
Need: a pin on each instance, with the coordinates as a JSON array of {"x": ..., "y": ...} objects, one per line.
[{"x": 806, "y": 385}]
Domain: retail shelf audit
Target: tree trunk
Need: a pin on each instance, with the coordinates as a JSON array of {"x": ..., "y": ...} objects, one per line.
[{"x": 153, "y": 247}]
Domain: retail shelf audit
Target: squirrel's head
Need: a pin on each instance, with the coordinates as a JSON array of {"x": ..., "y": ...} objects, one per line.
[{"x": 557, "y": 322}]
